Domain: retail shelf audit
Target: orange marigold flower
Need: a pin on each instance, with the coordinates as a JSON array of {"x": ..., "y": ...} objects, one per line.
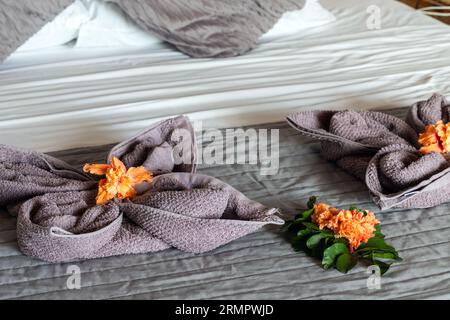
[
  {"x": 119, "y": 181},
  {"x": 323, "y": 214},
  {"x": 356, "y": 226},
  {"x": 436, "y": 138}
]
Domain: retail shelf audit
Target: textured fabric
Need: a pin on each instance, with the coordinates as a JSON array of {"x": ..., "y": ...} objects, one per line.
[
  {"x": 117, "y": 92},
  {"x": 258, "y": 266},
  {"x": 383, "y": 151},
  {"x": 206, "y": 28},
  {"x": 199, "y": 28},
  {"x": 57, "y": 219},
  {"x": 21, "y": 19}
]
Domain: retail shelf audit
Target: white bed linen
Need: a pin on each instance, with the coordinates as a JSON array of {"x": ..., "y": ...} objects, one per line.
[{"x": 61, "y": 99}]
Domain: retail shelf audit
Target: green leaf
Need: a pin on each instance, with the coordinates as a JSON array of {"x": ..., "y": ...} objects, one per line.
[
  {"x": 376, "y": 243},
  {"x": 311, "y": 226},
  {"x": 383, "y": 260},
  {"x": 314, "y": 241},
  {"x": 311, "y": 202},
  {"x": 366, "y": 255},
  {"x": 298, "y": 244},
  {"x": 294, "y": 224},
  {"x": 331, "y": 253},
  {"x": 384, "y": 267},
  {"x": 385, "y": 257},
  {"x": 345, "y": 262},
  {"x": 304, "y": 216},
  {"x": 341, "y": 240},
  {"x": 287, "y": 226},
  {"x": 303, "y": 233},
  {"x": 377, "y": 231},
  {"x": 327, "y": 232}
]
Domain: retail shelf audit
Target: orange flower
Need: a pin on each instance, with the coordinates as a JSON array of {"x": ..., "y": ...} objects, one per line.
[
  {"x": 358, "y": 227},
  {"x": 436, "y": 138},
  {"x": 119, "y": 181}
]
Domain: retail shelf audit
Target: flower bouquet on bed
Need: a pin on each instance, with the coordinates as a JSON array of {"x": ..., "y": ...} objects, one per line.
[{"x": 341, "y": 237}]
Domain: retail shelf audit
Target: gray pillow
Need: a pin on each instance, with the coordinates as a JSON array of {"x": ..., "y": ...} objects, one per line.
[
  {"x": 21, "y": 19},
  {"x": 199, "y": 28},
  {"x": 209, "y": 28}
]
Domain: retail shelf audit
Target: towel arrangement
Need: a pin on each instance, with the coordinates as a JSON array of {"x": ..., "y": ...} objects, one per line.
[
  {"x": 384, "y": 151},
  {"x": 58, "y": 219}
]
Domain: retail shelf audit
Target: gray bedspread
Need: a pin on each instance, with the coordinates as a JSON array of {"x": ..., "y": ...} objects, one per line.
[{"x": 258, "y": 266}]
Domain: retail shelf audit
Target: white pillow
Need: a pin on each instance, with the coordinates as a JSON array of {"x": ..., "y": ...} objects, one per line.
[
  {"x": 292, "y": 22},
  {"x": 63, "y": 29},
  {"x": 109, "y": 26}
]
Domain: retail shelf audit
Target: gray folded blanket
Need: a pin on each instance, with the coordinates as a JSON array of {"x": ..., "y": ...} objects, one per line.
[
  {"x": 58, "y": 219},
  {"x": 383, "y": 151}
]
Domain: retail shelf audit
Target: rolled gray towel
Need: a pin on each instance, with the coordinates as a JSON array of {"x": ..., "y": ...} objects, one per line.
[
  {"x": 58, "y": 219},
  {"x": 383, "y": 151}
]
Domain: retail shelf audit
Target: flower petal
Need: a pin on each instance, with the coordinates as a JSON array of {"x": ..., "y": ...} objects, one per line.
[
  {"x": 139, "y": 175},
  {"x": 431, "y": 148},
  {"x": 98, "y": 169},
  {"x": 118, "y": 165},
  {"x": 435, "y": 138},
  {"x": 125, "y": 188},
  {"x": 118, "y": 182},
  {"x": 104, "y": 193}
]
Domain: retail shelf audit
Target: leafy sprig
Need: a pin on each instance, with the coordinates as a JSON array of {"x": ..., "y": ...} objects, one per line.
[{"x": 334, "y": 252}]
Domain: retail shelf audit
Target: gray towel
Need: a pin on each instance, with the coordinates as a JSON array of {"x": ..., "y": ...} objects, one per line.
[
  {"x": 58, "y": 219},
  {"x": 383, "y": 151}
]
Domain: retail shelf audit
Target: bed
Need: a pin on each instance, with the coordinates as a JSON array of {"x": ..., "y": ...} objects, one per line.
[{"x": 79, "y": 102}]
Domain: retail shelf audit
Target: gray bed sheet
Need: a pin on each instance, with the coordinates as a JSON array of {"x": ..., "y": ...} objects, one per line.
[{"x": 258, "y": 266}]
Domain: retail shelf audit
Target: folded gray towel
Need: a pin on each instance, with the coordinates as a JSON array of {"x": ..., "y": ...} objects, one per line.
[
  {"x": 383, "y": 151},
  {"x": 58, "y": 219}
]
